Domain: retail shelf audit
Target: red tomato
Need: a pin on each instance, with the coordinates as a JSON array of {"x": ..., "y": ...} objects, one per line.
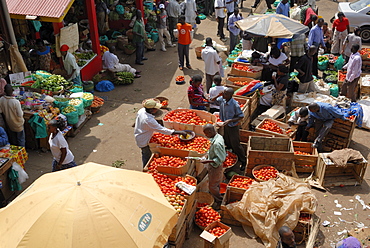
[
  {"x": 265, "y": 173},
  {"x": 230, "y": 159},
  {"x": 198, "y": 144},
  {"x": 185, "y": 116},
  {"x": 206, "y": 216}
]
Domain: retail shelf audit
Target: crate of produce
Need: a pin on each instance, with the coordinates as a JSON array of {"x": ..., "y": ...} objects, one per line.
[
  {"x": 253, "y": 102},
  {"x": 304, "y": 230},
  {"x": 244, "y": 106},
  {"x": 330, "y": 175},
  {"x": 341, "y": 77},
  {"x": 304, "y": 153},
  {"x": 213, "y": 238},
  {"x": 237, "y": 82},
  {"x": 239, "y": 184},
  {"x": 339, "y": 136},
  {"x": 275, "y": 151},
  {"x": 246, "y": 70},
  {"x": 180, "y": 222},
  {"x": 276, "y": 128},
  {"x": 188, "y": 119},
  {"x": 230, "y": 197}
]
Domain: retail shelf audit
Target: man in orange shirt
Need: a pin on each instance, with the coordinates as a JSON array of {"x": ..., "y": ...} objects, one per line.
[
  {"x": 184, "y": 40},
  {"x": 340, "y": 30}
]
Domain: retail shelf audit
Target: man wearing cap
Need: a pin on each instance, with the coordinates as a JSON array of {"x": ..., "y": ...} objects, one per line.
[
  {"x": 162, "y": 29},
  {"x": 70, "y": 65},
  {"x": 146, "y": 125}
]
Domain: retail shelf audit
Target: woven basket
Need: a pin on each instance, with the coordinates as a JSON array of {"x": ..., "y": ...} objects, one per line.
[
  {"x": 128, "y": 51},
  {"x": 203, "y": 197},
  {"x": 259, "y": 167},
  {"x": 161, "y": 99},
  {"x": 198, "y": 52}
]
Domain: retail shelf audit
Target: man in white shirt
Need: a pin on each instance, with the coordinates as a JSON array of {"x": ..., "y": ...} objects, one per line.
[
  {"x": 111, "y": 63},
  {"x": 146, "y": 125},
  {"x": 220, "y": 15},
  {"x": 216, "y": 91},
  {"x": 211, "y": 62},
  {"x": 353, "y": 67},
  {"x": 70, "y": 65}
]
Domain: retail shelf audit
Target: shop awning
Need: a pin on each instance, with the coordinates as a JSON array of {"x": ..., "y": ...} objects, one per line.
[{"x": 41, "y": 10}]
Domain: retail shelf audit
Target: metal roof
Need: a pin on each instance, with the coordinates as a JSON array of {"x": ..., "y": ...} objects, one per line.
[{"x": 42, "y": 8}]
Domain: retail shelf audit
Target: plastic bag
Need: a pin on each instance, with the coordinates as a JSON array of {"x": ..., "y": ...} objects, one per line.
[
  {"x": 323, "y": 65},
  {"x": 104, "y": 86},
  {"x": 80, "y": 108},
  {"x": 339, "y": 63},
  {"x": 72, "y": 117},
  {"x": 296, "y": 14},
  {"x": 334, "y": 89},
  {"x": 22, "y": 174}
]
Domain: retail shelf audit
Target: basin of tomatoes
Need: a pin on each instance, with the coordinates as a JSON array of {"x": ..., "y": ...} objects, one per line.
[
  {"x": 198, "y": 144},
  {"x": 167, "y": 161},
  {"x": 185, "y": 116},
  {"x": 264, "y": 173},
  {"x": 217, "y": 231},
  {"x": 271, "y": 126},
  {"x": 206, "y": 216},
  {"x": 241, "y": 182},
  {"x": 230, "y": 160}
]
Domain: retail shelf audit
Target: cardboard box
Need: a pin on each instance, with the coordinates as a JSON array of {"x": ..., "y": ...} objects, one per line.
[
  {"x": 282, "y": 125},
  {"x": 216, "y": 242}
]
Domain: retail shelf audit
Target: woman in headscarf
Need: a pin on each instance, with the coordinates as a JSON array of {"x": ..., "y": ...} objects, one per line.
[{"x": 44, "y": 55}]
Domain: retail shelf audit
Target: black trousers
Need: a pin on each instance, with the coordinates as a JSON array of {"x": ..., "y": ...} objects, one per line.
[
  {"x": 301, "y": 134},
  {"x": 220, "y": 27},
  {"x": 314, "y": 64}
]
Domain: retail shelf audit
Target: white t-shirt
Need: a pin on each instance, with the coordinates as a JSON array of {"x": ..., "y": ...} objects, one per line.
[
  {"x": 220, "y": 12},
  {"x": 210, "y": 58},
  {"x": 56, "y": 144},
  {"x": 213, "y": 92},
  {"x": 279, "y": 60}
]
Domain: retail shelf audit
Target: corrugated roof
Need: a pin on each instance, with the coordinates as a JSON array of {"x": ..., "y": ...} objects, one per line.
[{"x": 44, "y": 8}]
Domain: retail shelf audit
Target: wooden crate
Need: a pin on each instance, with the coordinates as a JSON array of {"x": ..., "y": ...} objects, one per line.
[
  {"x": 282, "y": 125},
  {"x": 256, "y": 75},
  {"x": 235, "y": 189},
  {"x": 183, "y": 170},
  {"x": 245, "y": 108},
  {"x": 305, "y": 159},
  {"x": 339, "y": 136},
  {"x": 176, "y": 231},
  {"x": 245, "y": 134},
  {"x": 190, "y": 220},
  {"x": 230, "y": 196},
  {"x": 230, "y": 80},
  {"x": 274, "y": 151},
  {"x": 303, "y": 230},
  {"x": 253, "y": 102},
  {"x": 330, "y": 175},
  {"x": 179, "y": 242},
  {"x": 211, "y": 241}
]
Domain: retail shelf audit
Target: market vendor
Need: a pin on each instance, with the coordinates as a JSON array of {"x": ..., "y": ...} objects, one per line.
[
  {"x": 70, "y": 65},
  {"x": 322, "y": 117},
  {"x": 353, "y": 67},
  {"x": 349, "y": 41},
  {"x": 146, "y": 125},
  {"x": 196, "y": 96},
  {"x": 287, "y": 238},
  {"x": 44, "y": 55},
  {"x": 216, "y": 158},
  {"x": 276, "y": 58},
  {"x": 111, "y": 63},
  {"x": 300, "y": 118}
]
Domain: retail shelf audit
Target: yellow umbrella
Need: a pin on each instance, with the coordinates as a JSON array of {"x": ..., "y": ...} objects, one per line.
[{"x": 88, "y": 206}]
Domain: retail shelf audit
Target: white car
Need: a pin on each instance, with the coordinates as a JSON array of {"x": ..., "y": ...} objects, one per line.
[{"x": 358, "y": 14}]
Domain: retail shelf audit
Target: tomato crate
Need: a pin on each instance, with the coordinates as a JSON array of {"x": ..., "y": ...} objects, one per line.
[
  {"x": 245, "y": 134},
  {"x": 230, "y": 81},
  {"x": 304, "y": 159},
  {"x": 211, "y": 241},
  {"x": 253, "y": 101},
  {"x": 236, "y": 189},
  {"x": 275, "y": 151},
  {"x": 245, "y": 105},
  {"x": 190, "y": 220},
  {"x": 198, "y": 129},
  {"x": 304, "y": 230},
  {"x": 186, "y": 169},
  {"x": 189, "y": 198},
  {"x": 180, "y": 223},
  {"x": 339, "y": 136},
  {"x": 179, "y": 241},
  {"x": 330, "y": 175},
  {"x": 230, "y": 197},
  {"x": 156, "y": 148},
  {"x": 255, "y": 74},
  {"x": 283, "y": 126}
]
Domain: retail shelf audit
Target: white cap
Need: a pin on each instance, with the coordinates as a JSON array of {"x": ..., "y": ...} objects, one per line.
[{"x": 161, "y": 6}]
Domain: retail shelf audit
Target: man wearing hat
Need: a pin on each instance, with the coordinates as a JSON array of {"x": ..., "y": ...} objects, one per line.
[
  {"x": 146, "y": 125},
  {"x": 70, "y": 65},
  {"x": 162, "y": 29}
]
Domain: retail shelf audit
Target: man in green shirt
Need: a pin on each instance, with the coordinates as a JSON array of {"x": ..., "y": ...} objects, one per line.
[
  {"x": 138, "y": 39},
  {"x": 216, "y": 157}
]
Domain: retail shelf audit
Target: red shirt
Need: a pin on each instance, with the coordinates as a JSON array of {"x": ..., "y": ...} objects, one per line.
[
  {"x": 341, "y": 25},
  {"x": 184, "y": 33}
]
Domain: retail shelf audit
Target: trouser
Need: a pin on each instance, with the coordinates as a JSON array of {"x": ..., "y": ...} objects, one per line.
[
  {"x": 172, "y": 22},
  {"x": 293, "y": 61},
  {"x": 234, "y": 40},
  {"x": 161, "y": 32},
  {"x": 124, "y": 68},
  {"x": 139, "y": 51},
  {"x": 209, "y": 5},
  {"x": 321, "y": 130},
  {"x": 315, "y": 60},
  {"x": 256, "y": 2},
  {"x": 145, "y": 155},
  {"x": 301, "y": 134},
  {"x": 227, "y": 20},
  {"x": 202, "y": 107},
  {"x": 349, "y": 89},
  {"x": 338, "y": 39},
  {"x": 63, "y": 167},
  {"x": 17, "y": 138},
  {"x": 220, "y": 27},
  {"x": 306, "y": 87},
  {"x": 215, "y": 178},
  {"x": 183, "y": 51},
  {"x": 232, "y": 140},
  {"x": 291, "y": 3},
  {"x": 209, "y": 81}
]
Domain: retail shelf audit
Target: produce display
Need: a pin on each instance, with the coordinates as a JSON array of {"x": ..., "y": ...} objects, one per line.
[
  {"x": 164, "y": 103},
  {"x": 331, "y": 76},
  {"x": 342, "y": 76},
  {"x": 217, "y": 231},
  {"x": 243, "y": 67},
  {"x": 123, "y": 78},
  {"x": 88, "y": 96},
  {"x": 97, "y": 102},
  {"x": 177, "y": 202},
  {"x": 206, "y": 216},
  {"x": 365, "y": 52},
  {"x": 198, "y": 144},
  {"x": 69, "y": 109},
  {"x": 84, "y": 56},
  {"x": 265, "y": 173},
  {"x": 202, "y": 204},
  {"x": 75, "y": 102},
  {"x": 81, "y": 63},
  {"x": 186, "y": 117},
  {"x": 167, "y": 185},
  {"x": 180, "y": 79},
  {"x": 54, "y": 83},
  {"x": 241, "y": 182},
  {"x": 271, "y": 126},
  {"x": 332, "y": 58},
  {"x": 322, "y": 58},
  {"x": 301, "y": 153},
  {"x": 230, "y": 160},
  {"x": 167, "y": 161}
]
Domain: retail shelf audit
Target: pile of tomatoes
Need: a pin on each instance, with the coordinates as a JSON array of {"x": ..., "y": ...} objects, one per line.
[
  {"x": 271, "y": 126},
  {"x": 206, "y": 216},
  {"x": 202, "y": 204},
  {"x": 180, "y": 79},
  {"x": 265, "y": 173},
  {"x": 217, "y": 231},
  {"x": 230, "y": 160},
  {"x": 240, "y": 83},
  {"x": 164, "y": 103},
  {"x": 242, "y": 67},
  {"x": 301, "y": 153},
  {"x": 365, "y": 51},
  {"x": 176, "y": 201},
  {"x": 185, "y": 116},
  {"x": 341, "y": 76},
  {"x": 167, "y": 184},
  {"x": 241, "y": 105},
  {"x": 198, "y": 144},
  {"x": 351, "y": 118},
  {"x": 241, "y": 182},
  {"x": 167, "y": 161}
]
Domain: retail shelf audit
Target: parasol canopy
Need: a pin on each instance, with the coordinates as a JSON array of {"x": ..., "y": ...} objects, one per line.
[
  {"x": 90, "y": 205},
  {"x": 272, "y": 25}
]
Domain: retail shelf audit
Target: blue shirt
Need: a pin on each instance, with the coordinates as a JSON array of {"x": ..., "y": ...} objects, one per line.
[
  {"x": 316, "y": 37},
  {"x": 232, "y": 28},
  {"x": 229, "y": 110},
  {"x": 283, "y": 9},
  {"x": 3, "y": 137},
  {"x": 326, "y": 112}
]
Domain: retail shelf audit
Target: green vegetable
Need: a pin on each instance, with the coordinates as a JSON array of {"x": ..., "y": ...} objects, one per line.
[
  {"x": 85, "y": 56},
  {"x": 69, "y": 109},
  {"x": 123, "y": 78},
  {"x": 322, "y": 58}
]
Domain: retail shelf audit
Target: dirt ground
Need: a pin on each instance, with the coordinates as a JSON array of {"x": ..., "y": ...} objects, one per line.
[{"x": 108, "y": 136}]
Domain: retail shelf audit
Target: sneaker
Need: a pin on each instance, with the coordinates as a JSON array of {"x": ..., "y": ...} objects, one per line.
[
  {"x": 223, "y": 39},
  {"x": 172, "y": 45},
  {"x": 163, "y": 50}
]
